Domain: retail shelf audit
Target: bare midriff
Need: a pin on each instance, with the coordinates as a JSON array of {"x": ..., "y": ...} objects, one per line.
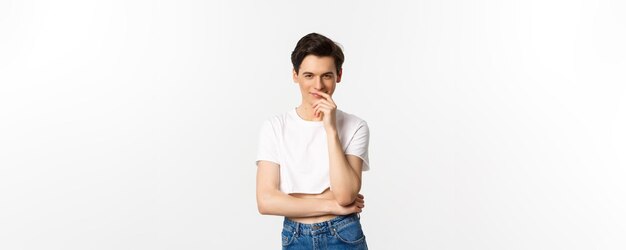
[{"x": 327, "y": 194}]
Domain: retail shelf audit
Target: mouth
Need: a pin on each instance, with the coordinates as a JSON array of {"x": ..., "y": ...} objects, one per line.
[{"x": 316, "y": 95}]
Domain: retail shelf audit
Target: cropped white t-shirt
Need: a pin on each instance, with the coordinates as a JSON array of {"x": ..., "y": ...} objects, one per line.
[{"x": 300, "y": 148}]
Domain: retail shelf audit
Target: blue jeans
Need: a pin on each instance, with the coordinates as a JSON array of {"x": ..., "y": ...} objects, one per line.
[{"x": 341, "y": 232}]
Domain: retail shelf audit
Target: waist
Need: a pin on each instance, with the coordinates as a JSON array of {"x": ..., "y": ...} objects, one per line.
[
  {"x": 314, "y": 219},
  {"x": 319, "y": 227}
]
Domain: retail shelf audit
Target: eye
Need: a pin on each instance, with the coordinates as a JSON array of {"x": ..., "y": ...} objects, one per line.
[
  {"x": 307, "y": 76},
  {"x": 327, "y": 76}
]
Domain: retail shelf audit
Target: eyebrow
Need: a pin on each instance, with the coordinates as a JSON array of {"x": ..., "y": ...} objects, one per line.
[{"x": 326, "y": 73}]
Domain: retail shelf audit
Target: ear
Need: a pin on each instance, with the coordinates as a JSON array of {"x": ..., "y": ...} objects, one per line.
[
  {"x": 294, "y": 75},
  {"x": 339, "y": 75}
]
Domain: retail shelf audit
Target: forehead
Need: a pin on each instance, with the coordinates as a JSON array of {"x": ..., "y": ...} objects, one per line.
[{"x": 317, "y": 64}]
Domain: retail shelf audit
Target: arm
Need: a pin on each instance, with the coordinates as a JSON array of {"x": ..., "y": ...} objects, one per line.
[
  {"x": 345, "y": 171},
  {"x": 271, "y": 201}
]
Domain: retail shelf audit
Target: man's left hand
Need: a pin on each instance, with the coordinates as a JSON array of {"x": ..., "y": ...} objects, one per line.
[{"x": 327, "y": 108}]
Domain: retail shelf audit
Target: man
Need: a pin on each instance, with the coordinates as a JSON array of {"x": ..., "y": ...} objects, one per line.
[{"x": 303, "y": 171}]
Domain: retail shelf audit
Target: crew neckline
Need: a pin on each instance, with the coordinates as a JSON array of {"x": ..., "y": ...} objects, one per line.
[{"x": 297, "y": 117}]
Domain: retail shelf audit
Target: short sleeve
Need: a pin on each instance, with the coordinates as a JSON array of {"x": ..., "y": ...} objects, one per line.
[
  {"x": 267, "y": 146},
  {"x": 359, "y": 144}
]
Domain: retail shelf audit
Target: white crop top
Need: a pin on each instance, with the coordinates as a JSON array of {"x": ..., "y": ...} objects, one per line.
[{"x": 300, "y": 148}]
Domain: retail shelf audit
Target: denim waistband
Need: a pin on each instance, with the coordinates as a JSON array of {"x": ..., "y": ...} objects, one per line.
[{"x": 319, "y": 227}]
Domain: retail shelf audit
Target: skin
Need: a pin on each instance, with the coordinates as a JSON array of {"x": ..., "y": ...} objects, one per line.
[{"x": 317, "y": 79}]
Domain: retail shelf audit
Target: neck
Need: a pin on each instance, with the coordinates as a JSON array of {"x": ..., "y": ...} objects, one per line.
[{"x": 307, "y": 113}]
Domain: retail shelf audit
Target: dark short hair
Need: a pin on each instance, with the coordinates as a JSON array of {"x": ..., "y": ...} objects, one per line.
[{"x": 318, "y": 45}]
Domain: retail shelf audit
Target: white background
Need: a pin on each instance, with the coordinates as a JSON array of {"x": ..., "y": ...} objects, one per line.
[{"x": 134, "y": 124}]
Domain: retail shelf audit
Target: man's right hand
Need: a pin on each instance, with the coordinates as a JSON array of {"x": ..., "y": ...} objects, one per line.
[{"x": 356, "y": 206}]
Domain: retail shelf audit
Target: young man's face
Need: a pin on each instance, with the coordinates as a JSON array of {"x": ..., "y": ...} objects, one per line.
[{"x": 316, "y": 73}]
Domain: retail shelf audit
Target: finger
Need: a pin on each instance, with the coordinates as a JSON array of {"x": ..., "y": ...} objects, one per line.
[
  {"x": 317, "y": 111},
  {"x": 320, "y": 111},
  {"x": 325, "y": 103},
  {"x": 323, "y": 107},
  {"x": 327, "y": 96},
  {"x": 327, "y": 100},
  {"x": 329, "y": 103}
]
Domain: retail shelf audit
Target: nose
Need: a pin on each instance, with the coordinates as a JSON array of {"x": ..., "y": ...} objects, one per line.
[{"x": 319, "y": 84}]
